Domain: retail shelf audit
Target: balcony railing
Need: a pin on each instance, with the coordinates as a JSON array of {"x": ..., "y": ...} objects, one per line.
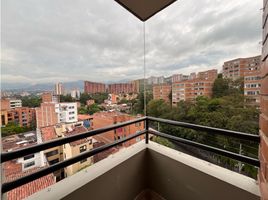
[{"x": 54, "y": 143}]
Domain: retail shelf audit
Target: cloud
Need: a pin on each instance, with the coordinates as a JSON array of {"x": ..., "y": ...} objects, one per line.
[{"x": 50, "y": 41}]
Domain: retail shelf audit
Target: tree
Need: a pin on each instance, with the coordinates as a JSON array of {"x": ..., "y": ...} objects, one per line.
[
  {"x": 31, "y": 101},
  {"x": 84, "y": 97},
  {"x": 13, "y": 128},
  {"x": 83, "y": 110},
  {"x": 163, "y": 141},
  {"x": 93, "y": 109},
  {"x": 138, "y": 107},
  {"x": 220, "y": 87},
  {"x": 157, "y": 108},
  {"x": 66, "y": 98}
]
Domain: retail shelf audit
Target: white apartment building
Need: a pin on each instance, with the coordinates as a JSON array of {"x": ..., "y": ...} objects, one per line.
[
  {"x": 67, "y": 112},
  {"x": 15, "y": 103}
]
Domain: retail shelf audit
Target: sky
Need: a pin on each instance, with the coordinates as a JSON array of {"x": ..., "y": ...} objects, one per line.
[{"x": 48, "y": 41}]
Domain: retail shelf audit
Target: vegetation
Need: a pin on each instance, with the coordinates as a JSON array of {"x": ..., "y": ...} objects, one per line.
[
  {"x": 98, "y": 98},
  {"x": 225, "y": 110},
  {"x": 12, "y": 128},
  {"x": 31, "y": 101},
  {"x": 67, "y": 98},
  {"x": 89, "y": 109},
  {"x": 138, "y": 104}
]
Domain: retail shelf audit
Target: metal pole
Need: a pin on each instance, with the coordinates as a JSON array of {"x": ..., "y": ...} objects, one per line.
[{"x": 147, "y": 131}]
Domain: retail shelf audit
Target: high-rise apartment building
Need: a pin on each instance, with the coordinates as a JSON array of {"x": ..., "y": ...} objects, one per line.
[
  {"x": 179, "y": 77},
  {"x": 263, "y": 155},
  {"x": 196, "y": 85},
  {"x": 162, "y": 91},
  {"x": 155, "y": 80},
  {"x": 249, "y": 70},
  {"x": 75, "y": 93},
  {"x": 93, "y": 87},
  {"x": 138, "y": 85},
  {"x": 59, "y": 90},
  {"x": 121, "y": 88},
  {"x": 239, "y": 67},
  {"x": 52, "y": 113}
]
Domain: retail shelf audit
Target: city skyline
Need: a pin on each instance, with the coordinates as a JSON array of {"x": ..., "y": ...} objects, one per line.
[{"x": 69, "y": 47}]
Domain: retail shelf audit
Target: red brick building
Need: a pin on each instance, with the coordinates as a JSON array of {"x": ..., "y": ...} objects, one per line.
[
  {"x": 162, "y": 92},
  {"x": 189, "y": 89},
  {"x": 48, "y": 97},
  {"x": 93, "y": 87},
  {"x": 103, "y": 119},
  {"x": 263, "y": 173},
  {"x": 46, "y": 115},
  {"x": 121, "y": 88},
  {"x": 240, "y": 67},
  {"x": 22, "y": 116}
]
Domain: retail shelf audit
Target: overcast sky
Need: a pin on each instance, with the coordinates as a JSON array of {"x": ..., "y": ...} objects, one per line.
[{"x": 66, "y": 40}]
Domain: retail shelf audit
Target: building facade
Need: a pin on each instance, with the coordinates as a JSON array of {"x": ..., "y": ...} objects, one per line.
[
  {"x": 240, "y": 67},
  {"x": 69, "y": 150},
  {"x": 23, "y": 116},
  {"x": 93, "y": 87},
  {"x": 103, "y": 119},
  {"x": 52, "y": 113},
  {"x": 121, "y": 88},
  {"x": 179, "y": 77},
  {"x": 48, "y": 97},
  {"x": 263, "y": 153},
  {"x": 59, "y": 90},
  {"x": 196, "y": 85},
  {"x": 75, "y": 94},
  {"x": 162, "y": 91}
]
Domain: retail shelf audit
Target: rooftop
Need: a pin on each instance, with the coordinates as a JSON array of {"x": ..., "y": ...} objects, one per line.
[
  {"x": 18, "y": 141},
  {"x": 13, "y": 170}
]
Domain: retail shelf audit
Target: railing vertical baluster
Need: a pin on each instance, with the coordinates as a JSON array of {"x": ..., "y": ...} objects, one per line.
[{"x": 147, "y": 130}]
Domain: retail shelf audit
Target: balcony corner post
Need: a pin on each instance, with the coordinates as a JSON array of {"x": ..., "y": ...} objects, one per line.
[{"x": 147, "y": 130}]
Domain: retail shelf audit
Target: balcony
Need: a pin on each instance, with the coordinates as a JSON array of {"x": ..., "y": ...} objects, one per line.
[{"x": 146, "y": 170}]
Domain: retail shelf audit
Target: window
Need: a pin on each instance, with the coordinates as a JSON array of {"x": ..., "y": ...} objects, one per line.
[
  {"x": 28, "y": 157},
  {"x": 52, "y": 153},
  {"x": 29, "y": 164},
  {"x": 52, "y": 162},
  {"x": 83, "y": 148}
]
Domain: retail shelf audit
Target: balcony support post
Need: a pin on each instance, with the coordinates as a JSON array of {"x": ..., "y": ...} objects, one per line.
[{"x": 147, "y": 130}]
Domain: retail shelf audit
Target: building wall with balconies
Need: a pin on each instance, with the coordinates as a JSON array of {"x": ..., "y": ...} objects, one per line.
[
  {"x": 23, "y": 116},
  {"x": 263, "y": 156},
  {"x": 162, "y": 92},
  {"x": 188, "y": 90},
  {"x": 240, "y": 67},
  {"x": 93, "y": 87}
]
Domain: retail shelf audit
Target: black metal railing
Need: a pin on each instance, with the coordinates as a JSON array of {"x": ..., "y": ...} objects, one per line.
[{"x": 57, "y": 142}]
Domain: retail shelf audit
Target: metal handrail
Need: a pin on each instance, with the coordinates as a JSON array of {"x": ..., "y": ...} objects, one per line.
[
  {"x": 60, "y": 141},
  {"x": 57, "y": 142},
  {"x": 232, "y": 155},
  {"x": 235, "y": 134},
  {"x": 43, "y": 172}
]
